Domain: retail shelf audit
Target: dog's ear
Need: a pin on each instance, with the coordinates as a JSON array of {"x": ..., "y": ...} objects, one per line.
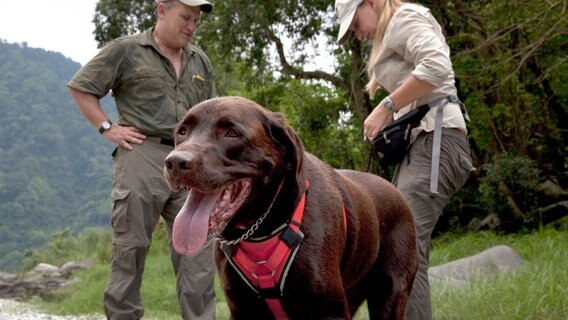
[{"x": 281, "y": 132}]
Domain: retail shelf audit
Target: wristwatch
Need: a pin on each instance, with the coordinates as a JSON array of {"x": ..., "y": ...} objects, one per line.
[
  {"x": 389, "y": 104},
  {"x": 105, "y": 126}
]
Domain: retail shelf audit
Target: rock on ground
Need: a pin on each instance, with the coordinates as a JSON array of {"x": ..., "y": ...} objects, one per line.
[{"x": 494, "y": 261}]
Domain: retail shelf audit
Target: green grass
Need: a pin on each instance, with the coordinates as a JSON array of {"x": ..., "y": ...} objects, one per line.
[{"x": 537, "y": 291}]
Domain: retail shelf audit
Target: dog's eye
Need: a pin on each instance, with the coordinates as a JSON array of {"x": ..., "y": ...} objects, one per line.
[
  {"x": 182, "y": 131},
  {"x": 232, "y": 133}
]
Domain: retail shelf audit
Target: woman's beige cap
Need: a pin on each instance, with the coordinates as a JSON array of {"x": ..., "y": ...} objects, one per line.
[{"x": 345, "y": 12}]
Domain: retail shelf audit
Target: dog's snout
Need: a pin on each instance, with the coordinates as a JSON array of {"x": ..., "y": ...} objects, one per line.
[{"x": 180, "y": 161}]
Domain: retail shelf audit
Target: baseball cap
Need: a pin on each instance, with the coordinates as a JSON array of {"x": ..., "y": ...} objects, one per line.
[
  {"x": 205, "y": 6},
  {"x": 345, "y": 12}
]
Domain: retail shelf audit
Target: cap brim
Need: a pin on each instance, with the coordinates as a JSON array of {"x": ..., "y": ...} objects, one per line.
[
  {"x": 206, "y": 8},
  {"x": 204, "y": 5},
  {"x": 344, "y": 31}
]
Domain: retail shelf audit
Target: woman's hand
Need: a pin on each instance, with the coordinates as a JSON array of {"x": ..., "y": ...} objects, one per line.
[
  {"x": 411, "y": 90},
  {"x": 376, "y": 121}
]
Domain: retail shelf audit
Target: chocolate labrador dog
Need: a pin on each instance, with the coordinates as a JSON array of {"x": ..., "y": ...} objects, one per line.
[{"x": 297, "y": 238}]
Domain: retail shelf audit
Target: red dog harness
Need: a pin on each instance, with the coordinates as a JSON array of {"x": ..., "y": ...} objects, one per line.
[{"x": 264, "y": 263}]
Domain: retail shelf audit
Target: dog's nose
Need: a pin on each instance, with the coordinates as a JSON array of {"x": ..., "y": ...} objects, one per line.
[{"x": 180, "y": 161}]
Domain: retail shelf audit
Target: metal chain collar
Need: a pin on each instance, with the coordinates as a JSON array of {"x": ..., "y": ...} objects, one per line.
[{"x": 252, "y": 229}]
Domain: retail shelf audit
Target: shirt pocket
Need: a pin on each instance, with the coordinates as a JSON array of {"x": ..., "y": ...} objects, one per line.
[
  {"x": 148, "y": 83},
  {"x": 199, "y": 89}
]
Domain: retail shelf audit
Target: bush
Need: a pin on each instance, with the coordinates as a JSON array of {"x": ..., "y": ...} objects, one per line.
[{"x": 509, "y": 190}]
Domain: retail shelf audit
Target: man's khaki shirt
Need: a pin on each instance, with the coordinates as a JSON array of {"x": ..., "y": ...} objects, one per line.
[{"x": 144, "y": 84}]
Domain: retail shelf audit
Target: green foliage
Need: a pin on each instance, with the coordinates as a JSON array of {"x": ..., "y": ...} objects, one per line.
[
  {"x": 59, "y": 250},
  {"x": 97, "y": 242},
  {"x": 55, "y": 169},
  {"x": 323, "y": 122},
  {"x": 63, "y": 247},
  {"x": 115, "y": 18},
  {"x": 520, "y": 175},
  {"x": 509, "y": 65},
  {"x": 254, "y": 22},
  {"x": 509, "y": 78}
]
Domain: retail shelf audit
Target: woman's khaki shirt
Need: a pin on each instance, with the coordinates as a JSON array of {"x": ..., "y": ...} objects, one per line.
[{"x": 415, "y": 45}]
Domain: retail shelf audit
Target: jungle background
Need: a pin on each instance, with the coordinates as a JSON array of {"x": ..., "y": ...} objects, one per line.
[{"x": 510, "y": 60}]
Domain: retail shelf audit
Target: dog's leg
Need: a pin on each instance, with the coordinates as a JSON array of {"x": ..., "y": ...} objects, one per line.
[
  {"x": 356, "y": 296},
  {"x": 391, "y": 280}
]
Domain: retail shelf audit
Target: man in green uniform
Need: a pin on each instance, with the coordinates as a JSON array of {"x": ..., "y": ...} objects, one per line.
[{"x": 155, "y": 77}]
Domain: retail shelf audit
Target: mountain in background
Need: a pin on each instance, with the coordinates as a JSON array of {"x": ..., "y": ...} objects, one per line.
[{"x": 54, "y": 167}]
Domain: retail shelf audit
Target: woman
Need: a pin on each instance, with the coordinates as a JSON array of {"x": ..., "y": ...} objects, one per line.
[{"x": 411, "y": 60}]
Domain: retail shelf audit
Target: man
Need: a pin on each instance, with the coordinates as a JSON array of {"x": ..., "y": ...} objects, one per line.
[{"x": 155, "y": 77}]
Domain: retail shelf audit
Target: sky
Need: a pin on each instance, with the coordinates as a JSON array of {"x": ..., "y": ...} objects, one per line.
[{"x": 63, "y": 26}]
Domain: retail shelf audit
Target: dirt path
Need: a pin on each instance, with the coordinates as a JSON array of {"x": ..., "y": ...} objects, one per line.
[{"x": 13, "y": 310}]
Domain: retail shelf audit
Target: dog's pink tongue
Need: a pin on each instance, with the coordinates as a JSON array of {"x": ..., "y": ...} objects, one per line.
[{"x": 192, "y": 222}]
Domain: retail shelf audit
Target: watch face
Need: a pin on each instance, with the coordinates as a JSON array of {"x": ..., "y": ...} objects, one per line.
[{"x": 106, "y": 125}]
